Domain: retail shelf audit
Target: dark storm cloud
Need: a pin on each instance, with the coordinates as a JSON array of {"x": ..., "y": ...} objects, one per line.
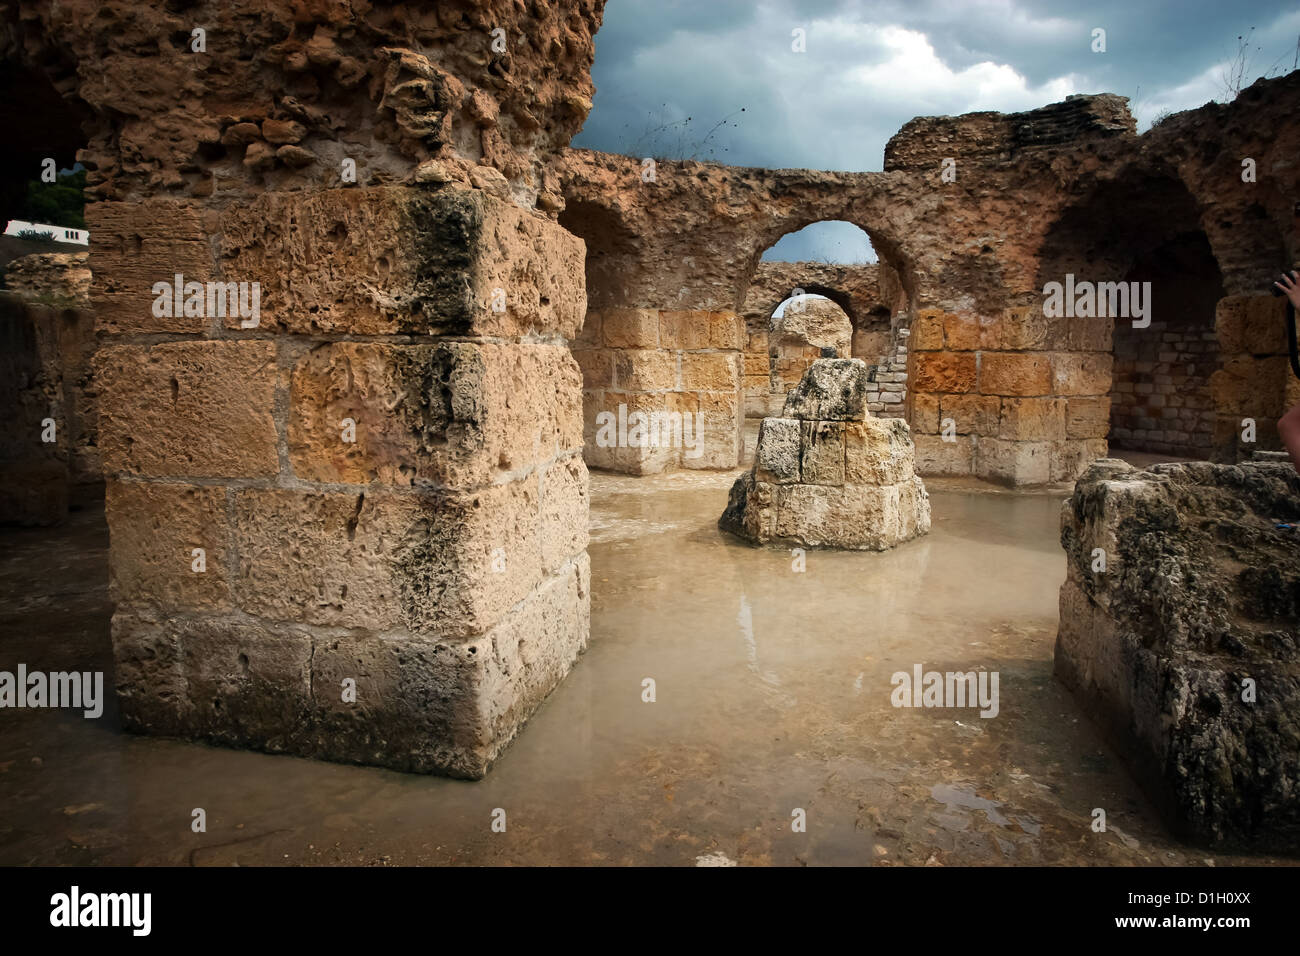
[{"x": 870, "y": 67}]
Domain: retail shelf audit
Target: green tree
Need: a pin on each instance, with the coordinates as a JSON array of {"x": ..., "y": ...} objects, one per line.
[{"x": 60, "y": 203}]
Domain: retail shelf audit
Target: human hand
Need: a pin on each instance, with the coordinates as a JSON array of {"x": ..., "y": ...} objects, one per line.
[{"x": 1290, "y": 287}]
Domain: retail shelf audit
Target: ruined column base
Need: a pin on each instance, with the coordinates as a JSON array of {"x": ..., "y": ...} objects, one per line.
[
  {"x": 421, "y": 705},
  {"x": 1184, "y": 648},
  {"x": 826, "y": 475}
]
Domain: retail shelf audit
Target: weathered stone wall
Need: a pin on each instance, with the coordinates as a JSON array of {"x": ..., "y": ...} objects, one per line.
[
  {"x": 48, "y": 443},
  {"x": 1067, "y": 189},
  {"x": 648, "y": 362},
  {"x": 1022, "y": 399},
  {"x": 1177, "y": 635},
  {"x": 372, "y": 484}
]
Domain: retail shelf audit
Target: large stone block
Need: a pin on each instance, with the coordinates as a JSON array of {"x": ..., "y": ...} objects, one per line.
[
  {"x": 630, "y": 328},
  {"x": 1014, "y": 462},
  {"x": 447, "y": 564},
  {"x": 645, "y": 370},
  {"x": 944, "y": 372},
  {"x": 1081, "y": 373},
  {"x": 936, "y": 456},
  {"x": 831, "y": 390},
  {"x": 188, "y": 409},
  {"x": 969, "y": 414},
  {"x": 878, "y": 451},
  {"x": 822, "y": 453},
  {"x": 1087, "y": 417},
  {"x": 136, "y": 245},
  {"x": 1015, "y": 374},
  {"x": 1032, "y": 419},
  {"x": 413, "y": 703},
  {"x": 458, "y": 414},
  {"x": 777, "y": 457},
  {"x": 1197, "y": 604},
  {"x": 1251, "y": 325},
  {"x": 702, "y": 330},
  {"x": 710, "y": 371},
  {"x": 407, "y": 260},
  {"x": 154, "y": 530}
]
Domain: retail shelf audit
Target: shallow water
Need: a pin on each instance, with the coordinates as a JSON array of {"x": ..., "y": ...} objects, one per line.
[{"x": 772, "y": 695}]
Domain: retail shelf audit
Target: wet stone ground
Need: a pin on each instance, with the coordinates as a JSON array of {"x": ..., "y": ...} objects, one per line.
[{"x": 772, "y": 694}]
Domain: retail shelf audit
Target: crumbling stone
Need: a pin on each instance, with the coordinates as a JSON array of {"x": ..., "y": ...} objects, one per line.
[
  {"x": 1178, "y": 635},
  {"x": 828, "y": 475}
]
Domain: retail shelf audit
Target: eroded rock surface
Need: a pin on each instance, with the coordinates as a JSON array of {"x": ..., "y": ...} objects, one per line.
[
  {"x": 826, "y": 474},
  {"x": 1183, "y": 643}
]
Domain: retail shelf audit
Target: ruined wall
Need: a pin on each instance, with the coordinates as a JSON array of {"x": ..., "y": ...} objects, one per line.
[
  {"x": 48, "y": 442},
  {"x": 654, "y": 366},
  {"x": 857, "y": 289},
  {"x": 1027, "y": 199},
  {"x": 371, "y": 472}
]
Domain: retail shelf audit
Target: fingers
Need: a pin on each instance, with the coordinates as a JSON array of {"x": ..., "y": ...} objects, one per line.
[{"x": 1287, "y": 282}]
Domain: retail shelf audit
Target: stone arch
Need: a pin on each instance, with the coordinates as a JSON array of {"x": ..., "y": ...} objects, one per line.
[{"x": 1141, "y": 227}]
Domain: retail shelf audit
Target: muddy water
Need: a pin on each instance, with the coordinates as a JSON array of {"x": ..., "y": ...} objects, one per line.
[{"x": 772, "y": 695}]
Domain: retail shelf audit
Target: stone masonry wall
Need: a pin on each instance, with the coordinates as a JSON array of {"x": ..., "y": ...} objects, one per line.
[
  {"x": 662, "y": 362},
  {"x": 1017, "y": 397},
  {"x": 1161, "y": 399}
]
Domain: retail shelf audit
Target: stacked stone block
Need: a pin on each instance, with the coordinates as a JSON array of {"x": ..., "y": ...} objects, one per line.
[
  {"x": 827, "y": 474},
  {"x": 683, "y": 365},
  {"x": 356, "y": 529},
  {"x": 887, "y": 396},
  {"x": 1254, "y": 385},
  {"x": 1017, "y": 397},
  {"x": 1161, "y": 399}
]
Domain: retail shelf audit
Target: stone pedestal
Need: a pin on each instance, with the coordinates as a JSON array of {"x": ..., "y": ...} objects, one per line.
[{"x": 826, "y": 474}]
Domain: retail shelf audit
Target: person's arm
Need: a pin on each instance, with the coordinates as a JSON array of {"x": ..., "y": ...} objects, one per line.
[{"x": 1288, "y": 426}]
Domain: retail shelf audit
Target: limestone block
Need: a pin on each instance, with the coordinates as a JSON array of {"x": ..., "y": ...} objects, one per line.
[
  {"x": 970, "y": 414},
  {"x": 449, "y": 564},
  {"x": 822, "y": 453},
  {"x": 630, "y": 328},
  {"x": 405, "y": 260},
  {"x": 1199, "y": 594},
  {"x": 878, "y": 451},
  {"x": 1081, "y": 373},
  {"x": 1087, "y": 417},
  {"x": 645, "y": 370},
  {"x": 153, "y": 531},
  {"x": 939, "y": 457},
  {"x": 777, "y": 457},
  {"x": 1015, "y": 373},
  {"x": 456, "y": 414},
  {"x": 831, "y": 390},
  {"x": 188, "y": 409},
  {"x": 1032, "y": 419},
  {"x": 1014, "y": 462},
  {"x": 714, "y": 371},
  {"x": 136, "y": 245},
  {"x": 944, "y": 372}
]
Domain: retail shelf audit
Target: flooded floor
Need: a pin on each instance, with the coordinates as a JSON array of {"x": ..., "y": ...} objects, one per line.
[{"x": 772, "y": 696}]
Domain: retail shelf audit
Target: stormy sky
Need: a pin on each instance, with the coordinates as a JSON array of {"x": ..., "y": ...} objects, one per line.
[{"x": 672, "y": 76}]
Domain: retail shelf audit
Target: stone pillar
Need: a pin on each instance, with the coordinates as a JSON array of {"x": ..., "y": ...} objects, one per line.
[{"x": 352, "y": 525}]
